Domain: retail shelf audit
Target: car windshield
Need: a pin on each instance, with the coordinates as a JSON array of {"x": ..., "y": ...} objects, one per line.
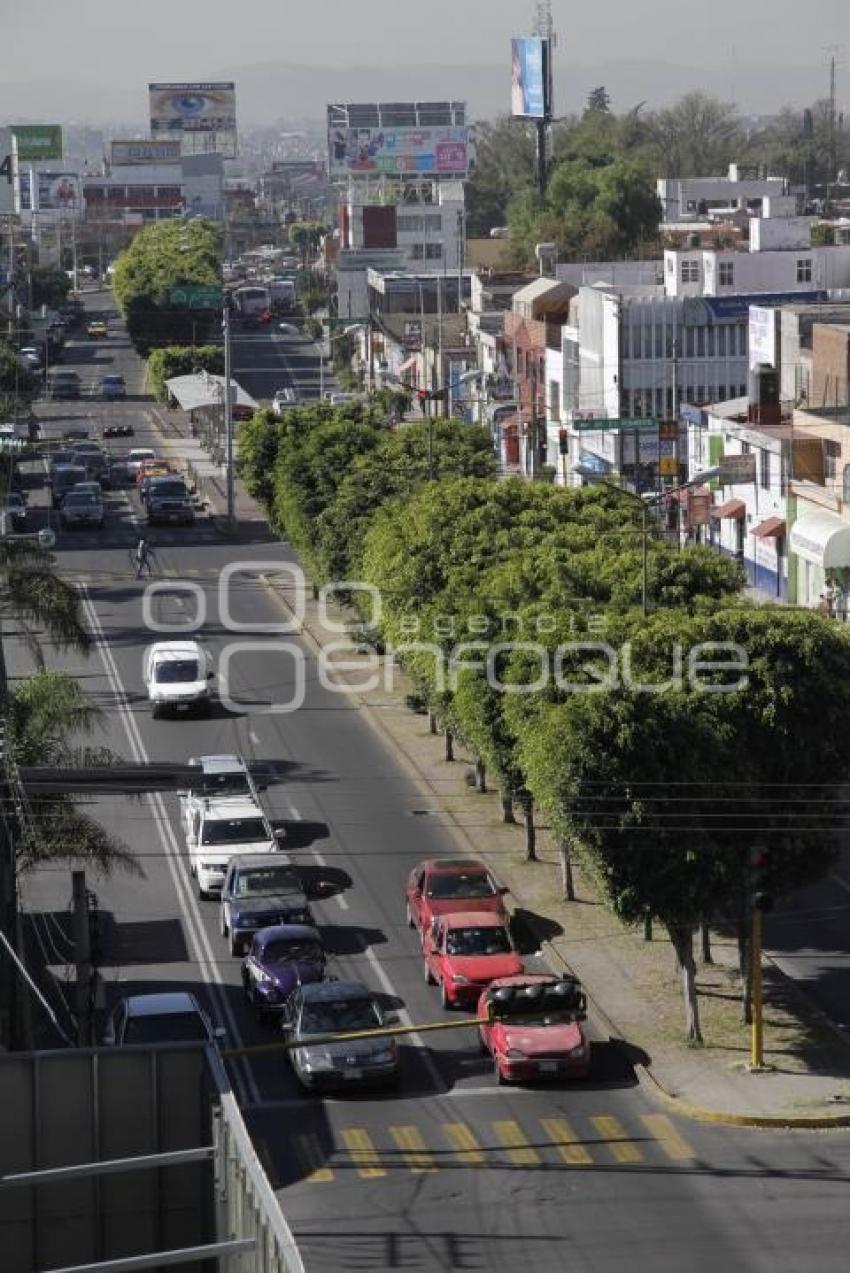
[
  {"x": 175, "y": 670},
  {"x": 234, "y": 831},
  {"x": 547, "y": 1005},
  {"x": 171, "y": 1027},
  {"x": 477, "y": 941},
  {"x": 225, "y": 784},
  {"x": 172, "y": 490},
  {"x": 81, "y": 499},
  {"x": 290, "y": 952},
  {"x": 263, "y": 881},
  {"x": 461, "y": 884},
  {"x": 339, "y": 1015},
  {"x": 114, "y": 381}
]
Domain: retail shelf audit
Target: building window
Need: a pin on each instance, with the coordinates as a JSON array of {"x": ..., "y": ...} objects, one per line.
[
  {"x": 700, "y": 342},
  {"x": 433, "y": 251},
  {"x": 726, "y": 273},
  {"x": 764, "y": 469},
  {"x": 671, "y": 265},
  {"x": 804, "y": 270},
  {"x": 554, "y": 400},
  {"x": 831, "y": 456},
  {"x": 690, "y": 271},
  {"x": 417, "y": 252},
  {"x": 709, "y": 342}
]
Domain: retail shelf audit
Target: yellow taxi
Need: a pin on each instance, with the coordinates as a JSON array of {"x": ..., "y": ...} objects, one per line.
[{"x": 96, "y": 328}]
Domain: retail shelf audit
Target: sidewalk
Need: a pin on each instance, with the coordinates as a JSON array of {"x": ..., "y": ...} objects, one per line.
[{"x": 634, "y": 992}]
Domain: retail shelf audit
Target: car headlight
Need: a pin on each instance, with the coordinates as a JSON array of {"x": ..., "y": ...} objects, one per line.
[
  {"x": 514, "y": 1054},
  {"x": 384, "y": 1056},
  {"x": 460, "y": 979},
  {"x": 580, "y": 1051},
  {"x": 312, "y": 1063}
]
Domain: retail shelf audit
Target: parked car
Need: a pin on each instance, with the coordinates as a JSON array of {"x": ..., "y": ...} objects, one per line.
[
  {"x": 82, "y": 508},
  {"x": 535, "y": 1029},
  {"x": 62, "y": 383},
  {"x": 113, "y": 388},
  {"x": 279, "y": 959},
  {"x": 96, "y": 329},
  {"x": 465, "y": 951},
  {"x": 13, "y": 511},
  {"x": 169, "y": 1017},
  {"x": 62, "y": 478},
  {"x": 259, "y": 891},
  {"x": 439, "y": 885},
  {"x": 177, "y": 676},
  {"x": 338, "y": 1007},
  {"x": 168, "y": 500}
]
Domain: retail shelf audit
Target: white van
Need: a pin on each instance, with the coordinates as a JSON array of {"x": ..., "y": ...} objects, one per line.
[{"x": 177, "y": 677}]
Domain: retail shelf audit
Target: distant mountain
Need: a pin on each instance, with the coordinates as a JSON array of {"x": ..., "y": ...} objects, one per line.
[{"x": 277, "y": 91}]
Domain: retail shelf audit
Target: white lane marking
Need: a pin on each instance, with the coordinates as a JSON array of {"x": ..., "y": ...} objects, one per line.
[
  {"x": 338, "y": 897},
  {"x": 188, "y": 905},
  {"x": 404, "y": 1019}
]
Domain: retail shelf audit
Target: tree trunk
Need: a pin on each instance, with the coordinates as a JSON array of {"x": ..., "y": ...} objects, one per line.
[
  {"x": 481, "y": 777},
  {"x": 682, "y": 937},
  {"x": 744, "y": 954},
  {"x": 647, "y": 926},
  {"x": 432, "y": 721},
  {"x": 315, "y": 588},
  {"x": 508, "y": 809},
  {"x": 450, "y": 745},
  {"x": 568, "y": 892},
  {"x": 530, "y": 830},
  {"x": 705, "y": 942}
]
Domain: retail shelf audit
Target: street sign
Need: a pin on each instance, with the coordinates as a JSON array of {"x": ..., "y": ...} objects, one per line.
[
  {"x": 196, "y": 296},
  {"x": 641, "y": 425},
  {"x": 737, "y": 470}
]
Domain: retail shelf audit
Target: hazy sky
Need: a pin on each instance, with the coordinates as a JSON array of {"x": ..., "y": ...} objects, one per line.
[{"x": 111, "y": 41}]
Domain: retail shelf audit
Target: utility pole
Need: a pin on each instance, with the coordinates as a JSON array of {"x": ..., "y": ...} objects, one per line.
[
  {"x": 756, "y": 996},
  {"x": 8, "y": 896},
  {"x": 82, "y": 959},
  {"x": 228, "y": 411}
]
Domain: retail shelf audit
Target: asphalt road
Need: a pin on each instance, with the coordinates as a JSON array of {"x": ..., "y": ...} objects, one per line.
[
  {"x": 267, "y": 360},
  {"x": 450, "y": 1172}
]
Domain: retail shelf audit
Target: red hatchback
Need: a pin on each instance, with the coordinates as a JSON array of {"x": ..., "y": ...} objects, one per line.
[
  {"x": 536, "y": 1030},
  {"x": 465, "y": 951},
  {"x": 441, "y": 885}
]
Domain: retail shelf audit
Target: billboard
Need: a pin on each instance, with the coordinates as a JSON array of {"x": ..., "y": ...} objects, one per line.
[
  {"x": 37, "y": 141},
  {"x": 145, "y": 152},
  {"x": 441, "y": 150},
  {"x": 531, "y": 84},
  {"x": 54, "y": 192},
  {"x": 193, "y": 108}
]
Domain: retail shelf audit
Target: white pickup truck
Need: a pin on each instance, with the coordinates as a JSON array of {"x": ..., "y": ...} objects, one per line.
[
  {"x": 219, "y": 828},
  {"x": 177, "y": 677}
]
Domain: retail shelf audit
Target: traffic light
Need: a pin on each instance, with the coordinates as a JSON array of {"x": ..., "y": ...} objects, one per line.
[
  {"x": 761, "y": 894},
  {"x": 563, "y": 442}
]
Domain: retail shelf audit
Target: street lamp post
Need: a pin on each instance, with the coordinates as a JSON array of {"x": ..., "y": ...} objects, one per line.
[{"x": 584, "y": 471}]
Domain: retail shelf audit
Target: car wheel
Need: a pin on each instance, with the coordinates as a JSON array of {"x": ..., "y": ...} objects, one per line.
[
  {"x": 202, "y": 892},
  {"x": 156, "y": 711},
  {"x": 429, "y": 976},
  {"x": 235, "y": 945},
  {"x": 444, "y": 997},
  {"x": 222, "y": 923},
  {"x": 411, "y": 922}
]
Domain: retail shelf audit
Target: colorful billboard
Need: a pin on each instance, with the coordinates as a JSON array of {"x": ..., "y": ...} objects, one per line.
[
  {"x": 193, "y": 108},
  {"x": 166, "y": 151},
  {"x": 530, "y": 78},
  {"x": 37, "y": 141},
  {"x": 438, "y": 151},
  {"x": 55, "y": 192}
]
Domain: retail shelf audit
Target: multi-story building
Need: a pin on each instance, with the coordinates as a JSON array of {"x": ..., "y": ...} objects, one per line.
[
  {"x": 532, "y": 332},
  {"x": 136, "y": 191},
  {"x": 694, "y": 198}
]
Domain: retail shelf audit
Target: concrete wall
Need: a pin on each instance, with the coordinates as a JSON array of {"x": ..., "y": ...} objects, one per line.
[{"x": 830, "y": 366}]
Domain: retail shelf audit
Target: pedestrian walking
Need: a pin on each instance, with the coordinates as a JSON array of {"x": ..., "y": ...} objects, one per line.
[{"x": 144, "y": 554}]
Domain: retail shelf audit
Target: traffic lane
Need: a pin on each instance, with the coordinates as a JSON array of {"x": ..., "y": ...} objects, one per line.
[{"x": 258, "y": 365}]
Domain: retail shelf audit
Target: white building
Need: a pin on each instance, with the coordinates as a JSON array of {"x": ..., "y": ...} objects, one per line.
[
  {"x": 429, "y": 232},
  {"x": 693, "y": 198}
]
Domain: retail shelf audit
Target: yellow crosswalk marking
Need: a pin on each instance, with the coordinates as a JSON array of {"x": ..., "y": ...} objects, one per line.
[
  {"x": 410, "y": 1142},
  {"x": 565, "y": 1140},
  {"x": 464, "y": 1143},
  {"x": 363, "y": 1153},
  {"x": 623, "y": 1149},
  {"x": 668, "y": 1137},
  {"x": 309, "y": 1153},
  {"x": 513, "y": 1138}
]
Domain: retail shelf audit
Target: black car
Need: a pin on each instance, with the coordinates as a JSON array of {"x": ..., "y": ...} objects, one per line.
[
  {"x": 168, "y": 500},
  {"x": 62, "y": 478}
]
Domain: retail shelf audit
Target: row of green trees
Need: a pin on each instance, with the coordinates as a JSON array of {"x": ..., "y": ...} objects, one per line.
[
  {"x": 181, "y": 360},
  {"x": 515, "y": 608},
  {"x": 162, "y": 257},
  {"x": 601, "y": 199}
]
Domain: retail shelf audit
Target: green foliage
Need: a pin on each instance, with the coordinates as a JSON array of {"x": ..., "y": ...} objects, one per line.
[
  {"x": 504, "y": 167},
  {"x": 305, "y": 237},
  {"x": 163, "y": 256},
  {"x": 181, "y": 360},
  {"x": 50, "y": 286},
  {"x": 14, "y": 379},
  {"x": 598, "y": 100}
]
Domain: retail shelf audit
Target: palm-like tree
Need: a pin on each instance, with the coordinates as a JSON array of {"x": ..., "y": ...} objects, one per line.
[{"x": 41, "y": 603}]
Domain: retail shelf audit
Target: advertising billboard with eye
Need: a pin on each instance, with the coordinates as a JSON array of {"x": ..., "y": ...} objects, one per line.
[{"x": 202, "y": 115}]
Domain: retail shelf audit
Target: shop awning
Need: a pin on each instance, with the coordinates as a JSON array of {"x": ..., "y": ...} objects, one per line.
[
  {"x": 732, "y": 508},
  {"x": 407, "y": 364},
  {"x": 206, "y": 390},
  {"x": 821, "y": 538},
  {"x": 771, "y": 528}
]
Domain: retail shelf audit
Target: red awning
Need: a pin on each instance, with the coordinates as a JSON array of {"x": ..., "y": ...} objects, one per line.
[
  {"x": 732, "y": 508},
  {"x": 407, "y": 364},
  {"x": 772, "y": 528}
]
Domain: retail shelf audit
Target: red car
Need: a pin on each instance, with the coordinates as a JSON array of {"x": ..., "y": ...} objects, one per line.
[
  {"x": 465, "y": 951},
  {"x": 440, "y": 885},
  {"x": 536, "y": 1030}
]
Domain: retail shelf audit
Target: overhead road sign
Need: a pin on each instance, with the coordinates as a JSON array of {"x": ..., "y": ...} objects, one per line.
[{"x": 196, "y": 296}]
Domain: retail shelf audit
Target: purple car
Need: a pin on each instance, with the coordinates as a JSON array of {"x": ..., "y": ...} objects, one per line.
[{"x": 281, "y": 958}]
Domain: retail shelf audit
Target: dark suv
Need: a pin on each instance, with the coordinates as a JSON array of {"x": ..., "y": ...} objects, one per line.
[{"x": 168, "y": 500}]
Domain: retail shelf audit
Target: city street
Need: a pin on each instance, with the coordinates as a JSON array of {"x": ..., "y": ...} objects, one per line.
[{"x": 450, "y": 1172}]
